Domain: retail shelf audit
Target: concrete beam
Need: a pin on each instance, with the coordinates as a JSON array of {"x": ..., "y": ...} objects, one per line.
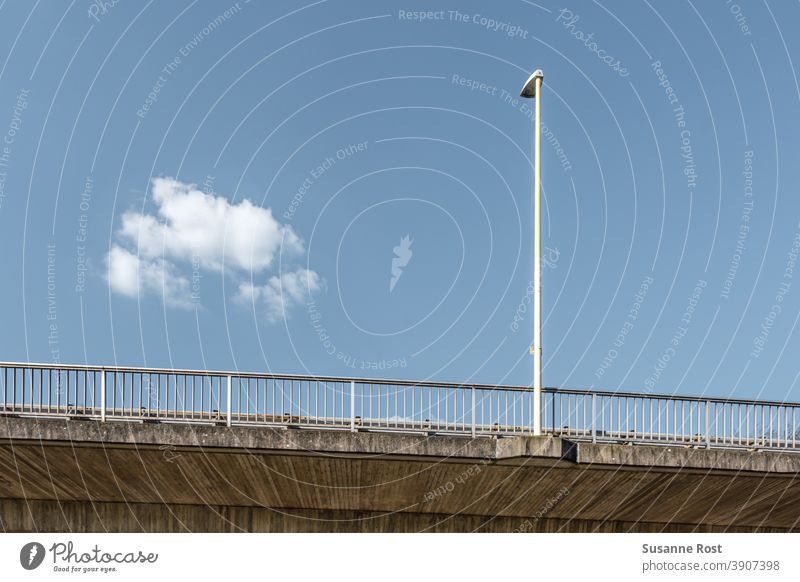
[{"x": 506, "y": 480}]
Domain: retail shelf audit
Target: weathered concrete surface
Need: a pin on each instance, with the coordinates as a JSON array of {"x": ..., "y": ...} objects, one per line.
[
  {"x": 59, "y": 475},
  {"x": 36, "y": 515}
]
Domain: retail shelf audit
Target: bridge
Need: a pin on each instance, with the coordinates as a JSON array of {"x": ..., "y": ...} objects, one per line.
[{"x": 92, "y": 448}]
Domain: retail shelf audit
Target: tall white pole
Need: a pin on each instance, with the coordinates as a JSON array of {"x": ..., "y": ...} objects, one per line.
[{"x": 536, "y": 348}]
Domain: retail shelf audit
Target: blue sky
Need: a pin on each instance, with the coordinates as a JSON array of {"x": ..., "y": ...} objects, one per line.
[{"x": 344, "y": 188}]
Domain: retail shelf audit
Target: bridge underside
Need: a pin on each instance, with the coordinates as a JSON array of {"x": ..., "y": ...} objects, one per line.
[{"x": 66, "y": 475}]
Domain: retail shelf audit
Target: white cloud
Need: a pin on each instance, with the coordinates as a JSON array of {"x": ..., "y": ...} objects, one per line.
[
  {"x": 194, "y": 230},
  {"x": 192, "y": 223},
  {"x": 131, "y": 275},
  {"x": 281, "y": 293}
]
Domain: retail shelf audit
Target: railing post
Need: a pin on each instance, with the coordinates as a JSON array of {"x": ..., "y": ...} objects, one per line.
[
  {"x": 594, "y": 419},
  {"x": 352, "y": 406},
  {"x": 102, "y": 394},
  {"x": 473, "y": 412},
  {"x": 708, "y": 429},
  {"x": 230, "y": 387}
]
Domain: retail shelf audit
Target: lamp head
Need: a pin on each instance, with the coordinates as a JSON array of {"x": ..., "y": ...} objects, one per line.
[{"x": 529, "y": 89}]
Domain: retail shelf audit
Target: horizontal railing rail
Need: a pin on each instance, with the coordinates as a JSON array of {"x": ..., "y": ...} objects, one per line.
[{"x": 236, "y": 398}]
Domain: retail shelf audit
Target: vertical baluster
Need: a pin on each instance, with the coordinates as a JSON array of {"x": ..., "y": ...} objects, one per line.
[
  {"x": 572, "y": 414},
  {"x": 283, "y": 400},
  {"x": 405, "y": 414},
  {"x": 675, "y": 420},
  {"x": 769, "y": 408},
  {"x": 85, "y": 380},
  {"x": 582, "y": 426},
  {"x": 473, "y": 412},
  {"x": 157, "y": 403},
  {"x": 785, "y": 427},
  {"x": 603, "y": 400},
  {"x": 569, "y": 414},
  {"x": 627, "y": 417},
  {"x": 237, "y": 387},
  {"x": 272, "y": 383},
  {"x": 462, "y": 395},
  {"x": 26, "y": 384},
  {"x": 352, "y": 406},
  {"x": 102, "y": 395},
  {"x": 496, "y": 395},
  {"x": 747, "y": 421},
  {"x": 724, "y": 424},
  {"x": 530, "y": 411},
  {"x": 22, "y": 390}
]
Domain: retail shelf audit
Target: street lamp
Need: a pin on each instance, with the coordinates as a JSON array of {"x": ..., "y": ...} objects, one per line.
[{"x": 533, "y": 89}]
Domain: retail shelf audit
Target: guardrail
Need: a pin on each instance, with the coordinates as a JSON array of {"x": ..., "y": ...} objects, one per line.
[{"x": 234, "y": 398}]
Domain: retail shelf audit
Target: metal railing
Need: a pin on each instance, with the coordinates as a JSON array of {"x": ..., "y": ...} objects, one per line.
[{"x": 234, "y": 398}]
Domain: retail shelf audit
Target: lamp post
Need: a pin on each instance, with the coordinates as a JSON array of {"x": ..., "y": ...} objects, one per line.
[{"x": 532, "y": 90}]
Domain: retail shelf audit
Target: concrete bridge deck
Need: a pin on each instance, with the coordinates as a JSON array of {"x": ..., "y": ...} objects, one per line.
[{"x": 84, "y": 475}]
